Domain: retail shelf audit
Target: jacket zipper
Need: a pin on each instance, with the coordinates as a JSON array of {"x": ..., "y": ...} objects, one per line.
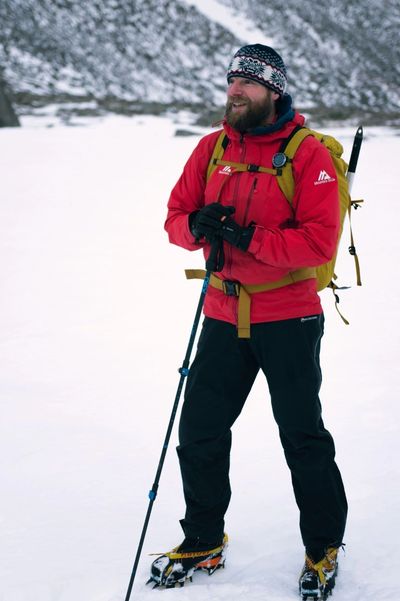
[
  {"x": 234, "y": 201},
  {"x": 249, "y": 199}
]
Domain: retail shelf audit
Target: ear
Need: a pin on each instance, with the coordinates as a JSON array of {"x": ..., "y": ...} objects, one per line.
[{"x": 275, "y": 96}]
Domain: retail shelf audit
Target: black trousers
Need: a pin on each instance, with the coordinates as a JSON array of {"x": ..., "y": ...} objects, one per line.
[{"x": 218, "y": 384}]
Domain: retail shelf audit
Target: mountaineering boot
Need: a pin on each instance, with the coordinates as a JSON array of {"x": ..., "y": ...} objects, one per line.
[
  {"x": 178, "y": 565},
  {"x": 318, "y": 579}
]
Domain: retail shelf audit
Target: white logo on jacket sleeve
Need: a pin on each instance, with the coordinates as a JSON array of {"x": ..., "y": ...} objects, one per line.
[{"x": 324, "y": 178}]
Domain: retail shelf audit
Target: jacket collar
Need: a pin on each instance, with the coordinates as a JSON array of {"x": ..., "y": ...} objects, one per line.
[{"x": 285, "y": 113}]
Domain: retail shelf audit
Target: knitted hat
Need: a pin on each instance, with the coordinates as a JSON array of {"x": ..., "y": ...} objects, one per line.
[{"x": 260, "y": 63}]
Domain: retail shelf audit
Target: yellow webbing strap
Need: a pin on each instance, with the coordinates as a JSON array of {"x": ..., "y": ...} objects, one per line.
[
  {"x": 284, "y": 174},
  {"x": 244, "y": 291},
  {"x": 336, "y": 297},
  {"x": 353, "y": 251},
  {"x": 217, "y": 154},
  {"x": 246, "y": 167},
  {"x": 285, "y": 178}
]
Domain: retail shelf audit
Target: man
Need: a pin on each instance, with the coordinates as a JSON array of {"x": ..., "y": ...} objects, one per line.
[{"x": 262, "y": 239}]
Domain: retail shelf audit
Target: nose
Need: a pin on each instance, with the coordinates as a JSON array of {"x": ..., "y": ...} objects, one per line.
[{"x": 235, "y": 87}]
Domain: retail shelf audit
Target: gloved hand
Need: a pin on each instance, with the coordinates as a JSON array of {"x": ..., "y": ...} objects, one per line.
[
  {"x": 237, "y": 235},
  {"x": 208, "y": 221}
]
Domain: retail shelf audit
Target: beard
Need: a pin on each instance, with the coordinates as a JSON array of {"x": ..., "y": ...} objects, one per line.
[{"x": 255, "y": 113}]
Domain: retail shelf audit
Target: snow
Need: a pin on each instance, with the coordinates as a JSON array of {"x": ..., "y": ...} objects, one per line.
[
  {"x": 95, "y": 317},
  {"x": 238, "y": 24}
]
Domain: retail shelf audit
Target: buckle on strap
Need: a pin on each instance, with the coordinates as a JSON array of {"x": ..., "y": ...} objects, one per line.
[{"x": 230, "y": 288}]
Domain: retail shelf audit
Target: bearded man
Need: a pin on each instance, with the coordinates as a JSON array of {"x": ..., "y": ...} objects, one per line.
[{"x": 264, "y": 241}]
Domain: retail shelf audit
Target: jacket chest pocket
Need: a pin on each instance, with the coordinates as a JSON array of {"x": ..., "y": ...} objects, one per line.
[
  {"x": 264, "y": 202},
  {"x": 255, "y": 196}
]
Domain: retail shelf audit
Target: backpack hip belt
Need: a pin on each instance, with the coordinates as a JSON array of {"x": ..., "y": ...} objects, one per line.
[{"x": 244, "y": 291}]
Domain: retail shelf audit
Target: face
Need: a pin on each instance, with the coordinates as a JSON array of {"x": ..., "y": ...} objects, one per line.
[{"x": 249, "y": 104}]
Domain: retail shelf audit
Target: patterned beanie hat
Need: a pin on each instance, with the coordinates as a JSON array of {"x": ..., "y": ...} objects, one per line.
[{"x": 260, "y": 63}]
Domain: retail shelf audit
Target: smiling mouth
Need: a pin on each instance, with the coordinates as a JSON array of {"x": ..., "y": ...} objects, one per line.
[{"x": 238, "y": 105}]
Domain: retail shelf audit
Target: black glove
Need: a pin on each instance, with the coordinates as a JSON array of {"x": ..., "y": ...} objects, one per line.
[
  {"x": 235, "y": 234},
  {"x": 209, "y": 220}
]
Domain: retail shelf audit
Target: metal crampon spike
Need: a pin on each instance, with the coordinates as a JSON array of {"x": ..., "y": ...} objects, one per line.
[
  {"x": 176, "y": 584},
  {"x": 215, "y": 568}
]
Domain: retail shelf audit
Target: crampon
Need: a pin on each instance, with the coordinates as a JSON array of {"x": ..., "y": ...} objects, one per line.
[
  {"x": 177, "y": 566},
  {"x": 317, "y": 580}
]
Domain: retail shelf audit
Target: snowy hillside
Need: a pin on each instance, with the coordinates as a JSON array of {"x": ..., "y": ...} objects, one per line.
[
  {"x": 95, "y": 315},
  {"x": 340, "y": 54},
  {"x": 150, "y": 56},
  {"x": 112, "y": 54}
]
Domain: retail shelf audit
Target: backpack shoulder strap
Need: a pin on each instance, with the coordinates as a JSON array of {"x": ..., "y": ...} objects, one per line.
[
  {"x": 218, "y": 152},
  {"x": 289, "y": 148}
]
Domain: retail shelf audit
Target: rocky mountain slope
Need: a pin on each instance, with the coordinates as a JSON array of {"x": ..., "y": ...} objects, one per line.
[
  {"x": 341, "y": 55},
  {"x": 114, "y": 54},
  {"x": 157, "y": 55}
]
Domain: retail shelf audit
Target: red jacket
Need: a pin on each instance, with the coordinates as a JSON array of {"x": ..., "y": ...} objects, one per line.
[{"x": 275, "y": 250}]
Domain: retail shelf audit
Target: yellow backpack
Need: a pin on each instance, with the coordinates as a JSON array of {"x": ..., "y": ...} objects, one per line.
[{"x": 282, "y": 169}]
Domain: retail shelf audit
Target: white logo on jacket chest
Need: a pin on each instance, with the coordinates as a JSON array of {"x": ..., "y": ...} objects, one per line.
[
  {"x": 227, "y": 170},
  {"x": 324, "y": 178}
]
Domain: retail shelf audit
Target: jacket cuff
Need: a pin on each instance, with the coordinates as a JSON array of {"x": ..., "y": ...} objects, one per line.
[
  {"x": 189, "y": 235},
  {"x": 256, "y": 240}
]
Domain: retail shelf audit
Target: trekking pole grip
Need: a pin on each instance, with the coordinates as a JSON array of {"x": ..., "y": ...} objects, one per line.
[{"x": 216, "y": 258}]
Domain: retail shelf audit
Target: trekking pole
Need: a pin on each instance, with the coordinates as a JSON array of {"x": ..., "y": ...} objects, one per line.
[
  {"x": 358, "y": 138},
  {"x": 213, "y": 263}
]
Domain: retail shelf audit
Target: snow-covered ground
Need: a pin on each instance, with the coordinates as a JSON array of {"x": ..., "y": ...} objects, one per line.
[{"x": 95, "y": 315}]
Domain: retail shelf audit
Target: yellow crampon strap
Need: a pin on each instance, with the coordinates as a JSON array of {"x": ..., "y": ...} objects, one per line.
[
  {"x": 244, "y": 291},
  {"x": 327, "y": 563},
  {"x": 175, "y": 554}
]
